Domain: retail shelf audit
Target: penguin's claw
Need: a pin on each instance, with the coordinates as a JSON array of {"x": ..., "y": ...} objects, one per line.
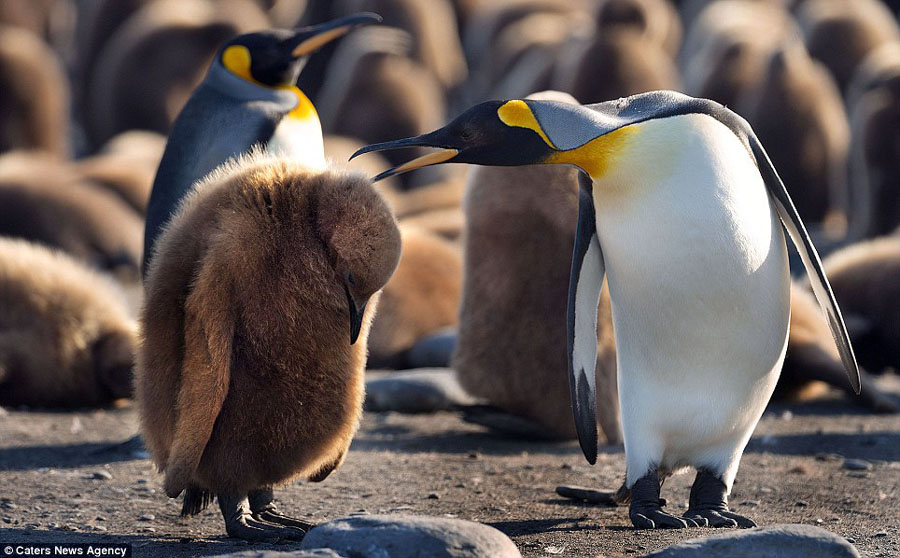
[
  {"x": 720, "y": 518},
  {"x": 658, "y": 519},
  {"x": 248, "y": 528},
  {"x": 278, "y": 518}
]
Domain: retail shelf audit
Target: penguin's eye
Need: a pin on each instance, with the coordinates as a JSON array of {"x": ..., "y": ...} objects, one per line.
[{"x": 467, "y": 134}]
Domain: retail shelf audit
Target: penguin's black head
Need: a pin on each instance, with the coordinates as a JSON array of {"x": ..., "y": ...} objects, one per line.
[
  {"x": 495, "y": 133},
  {"x": 275, "y": 57}
]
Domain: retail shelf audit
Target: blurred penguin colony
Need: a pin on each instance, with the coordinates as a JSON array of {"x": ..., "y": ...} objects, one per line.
[{"x": 90, "y": 88}]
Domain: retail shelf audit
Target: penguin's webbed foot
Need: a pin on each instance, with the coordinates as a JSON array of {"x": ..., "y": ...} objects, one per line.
[
  {"x": 709, "y": 502},
  {"x": 719, "y": 518},
  {"x": 241, "y": 524},
  {"x": 263, "y": 508},
  {"x": 646, "y": 508}
]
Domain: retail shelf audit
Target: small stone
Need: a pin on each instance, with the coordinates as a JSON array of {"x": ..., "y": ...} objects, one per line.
[
  {"x": 776, "y": 541},
  {"x": 565, "y": 467},
  {"x": 399, "y": 536},
  {"x": 142, "y": 481},
  {"x": 799, "y": 470},
  {"x": 787, "y": 415},
  {"x": 554, "y": 549},
  {"x": 823, "y": 456},
  {"x": 99, "y": 475},
  {"x": 857, "y": 465},
  {"x": 434, "y": 496},
  {"x": 76, "y": 426},
  {"x": 6, "y": 519},
  {"x": 801, "y": 503},
  {"x": 8, "y": 505},
  {"x": 474, "y": 455},
  {"x": 588, "y": 495},
  {"x": 98, "y": 528},
  {"x": 147, "y": 517},
  {"x": 765, "y": 490},
  {"x": 851, "y": 540},
  {"x": 880, "y": 534}
]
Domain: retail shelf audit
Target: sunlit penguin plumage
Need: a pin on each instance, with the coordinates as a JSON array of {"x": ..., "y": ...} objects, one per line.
[
  {"x": 248, "y": 98},
  {"x": 679, "y": 208}
]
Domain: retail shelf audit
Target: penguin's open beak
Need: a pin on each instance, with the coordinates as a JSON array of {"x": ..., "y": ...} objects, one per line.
[
  {"x": 310, "y": 39},
  {"x": 445, "y": 154},
  {"x": 356, "y": 315}
]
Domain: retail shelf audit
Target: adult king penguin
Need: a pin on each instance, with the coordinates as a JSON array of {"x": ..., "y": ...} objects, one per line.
[
  {"x": 248, "y": 98},
  {"x": 679, "y": 206}
]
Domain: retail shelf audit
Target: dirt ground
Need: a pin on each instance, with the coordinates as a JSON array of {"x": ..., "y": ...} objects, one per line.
[{"x": 439, "y": 465}]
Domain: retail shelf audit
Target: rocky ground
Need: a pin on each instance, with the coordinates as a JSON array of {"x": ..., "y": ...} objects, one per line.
[{"x": 67, "y": 477}]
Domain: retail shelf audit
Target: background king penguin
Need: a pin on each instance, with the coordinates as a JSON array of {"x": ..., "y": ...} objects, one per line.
[
  {"x": 682, "y": 210},
  {"x": 248, "y": 98}
]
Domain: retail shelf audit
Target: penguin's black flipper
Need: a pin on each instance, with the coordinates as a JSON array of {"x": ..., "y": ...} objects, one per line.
[
  {"x": 784, "y": 206},
  {"x": 585, "y": 282}
]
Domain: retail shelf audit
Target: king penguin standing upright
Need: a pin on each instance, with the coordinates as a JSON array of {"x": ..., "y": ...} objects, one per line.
[
  {"x": 248, "y": 98},
  {"x": 679, "y": 206}
]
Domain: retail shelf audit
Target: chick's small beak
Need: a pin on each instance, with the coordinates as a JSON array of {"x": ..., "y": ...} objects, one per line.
[
  {"x": 443, "y": 155},
  {"x": 356, "y": 315},
  {"x": 310, "y": 39}
]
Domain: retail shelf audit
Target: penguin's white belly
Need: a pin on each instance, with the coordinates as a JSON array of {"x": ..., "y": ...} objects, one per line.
[
  {"x": 699, "y": 282},
  {"x": 300, "y": 140}
]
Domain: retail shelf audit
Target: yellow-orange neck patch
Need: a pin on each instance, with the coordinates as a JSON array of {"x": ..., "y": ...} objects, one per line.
[
  {"x": 236, "y": 59},
  {"x": 596, "y": 156}
]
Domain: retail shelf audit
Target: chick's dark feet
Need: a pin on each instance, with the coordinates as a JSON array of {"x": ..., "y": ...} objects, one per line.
[
  {"x": 709, "y": 502},
  {"x": 646, "y": 509},
  {"x": 263, "y": 508},
  {"x": 240, "y": 524}
]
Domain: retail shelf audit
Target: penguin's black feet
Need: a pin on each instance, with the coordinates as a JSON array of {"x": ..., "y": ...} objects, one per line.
[
  {"x": 709, "y": 502},
  {"x": 240, "y": 524},
  {"x": 263, "y": 508},
  {"x": 646, "y": 509}
]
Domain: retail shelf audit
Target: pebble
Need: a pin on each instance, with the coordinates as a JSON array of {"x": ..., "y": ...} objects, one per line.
[
  {"x": 801, "y": 503},
  {"x": 857, "y": 465},
  {"x": 400, "y": 536},
  {"x": 99, "y": 475},
  {"x": 8, "y": 505},
  {"x": 434, "y": 496},
  {"x": 147, "y": 517},
  {"x": 775, "y": 541},
  {"x": 588, "y": 495},
  {"x": 880, "y": 534},
  {"x": 432, "y": 351},
  {"x": 823, "y": 456},
  {"x": 423, "y": 390}
]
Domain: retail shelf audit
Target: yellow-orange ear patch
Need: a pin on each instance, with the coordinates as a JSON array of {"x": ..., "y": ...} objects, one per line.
[
  {"x": 236, "y": 59},
  {"x": 518, "y": 113},
  {"x": 596, "y": 156}
]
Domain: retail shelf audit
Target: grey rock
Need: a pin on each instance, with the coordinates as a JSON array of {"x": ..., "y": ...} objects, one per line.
[
  {"x": 433, "y": 351},
  {"x": 405, "y": 536},
  {"x": 424, "y": 390},
  {"x": 776, "y": 541},
  {"x": 315, "y": 553},
  {"x": 857, "y": 465},
  {"x": 147, "y": 517}
]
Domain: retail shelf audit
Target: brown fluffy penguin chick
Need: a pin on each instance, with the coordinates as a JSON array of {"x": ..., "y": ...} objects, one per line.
[
  {"x": 152, "y": 63},
  {"x": 616, "y": 62},
  {"x": 126, "y": 166},
  {"x": 374, "y": 92},
  {"x": 865, "y": 278},
  {"x": 511, "y": 347},
  {"x": 34, "y": 104},
  {"x": 796, "y": 110},
  {"x": 875, "y": 155},
  {"x": 44, "y": 200},
  {"x": 841, "y": 33},
  {"x": 812, "y": 359},
  {"x": 66, "y": 339},
  {"x": 421, "y": 298},
  {"x": 248, "y": 376},
  {"x": 511, "y": 351}
]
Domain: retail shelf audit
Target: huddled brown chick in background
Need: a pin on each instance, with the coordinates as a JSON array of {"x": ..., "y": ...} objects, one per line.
[
  {"x": 248, "y": 376},
  {"x": 45, "y": 201},
  {"x": 66, "y": 339}
]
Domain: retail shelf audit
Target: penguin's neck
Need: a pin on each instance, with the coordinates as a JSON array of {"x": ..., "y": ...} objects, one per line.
[
  {"x": 299, "y": 134},
  {"x": 599, "y": 155}
]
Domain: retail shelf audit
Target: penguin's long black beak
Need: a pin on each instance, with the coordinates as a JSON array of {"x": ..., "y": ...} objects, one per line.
[
  {"x": 356, "y": 315},
  {"x": 309, "y": 39},
  {"x": 445, "y": 154}
]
